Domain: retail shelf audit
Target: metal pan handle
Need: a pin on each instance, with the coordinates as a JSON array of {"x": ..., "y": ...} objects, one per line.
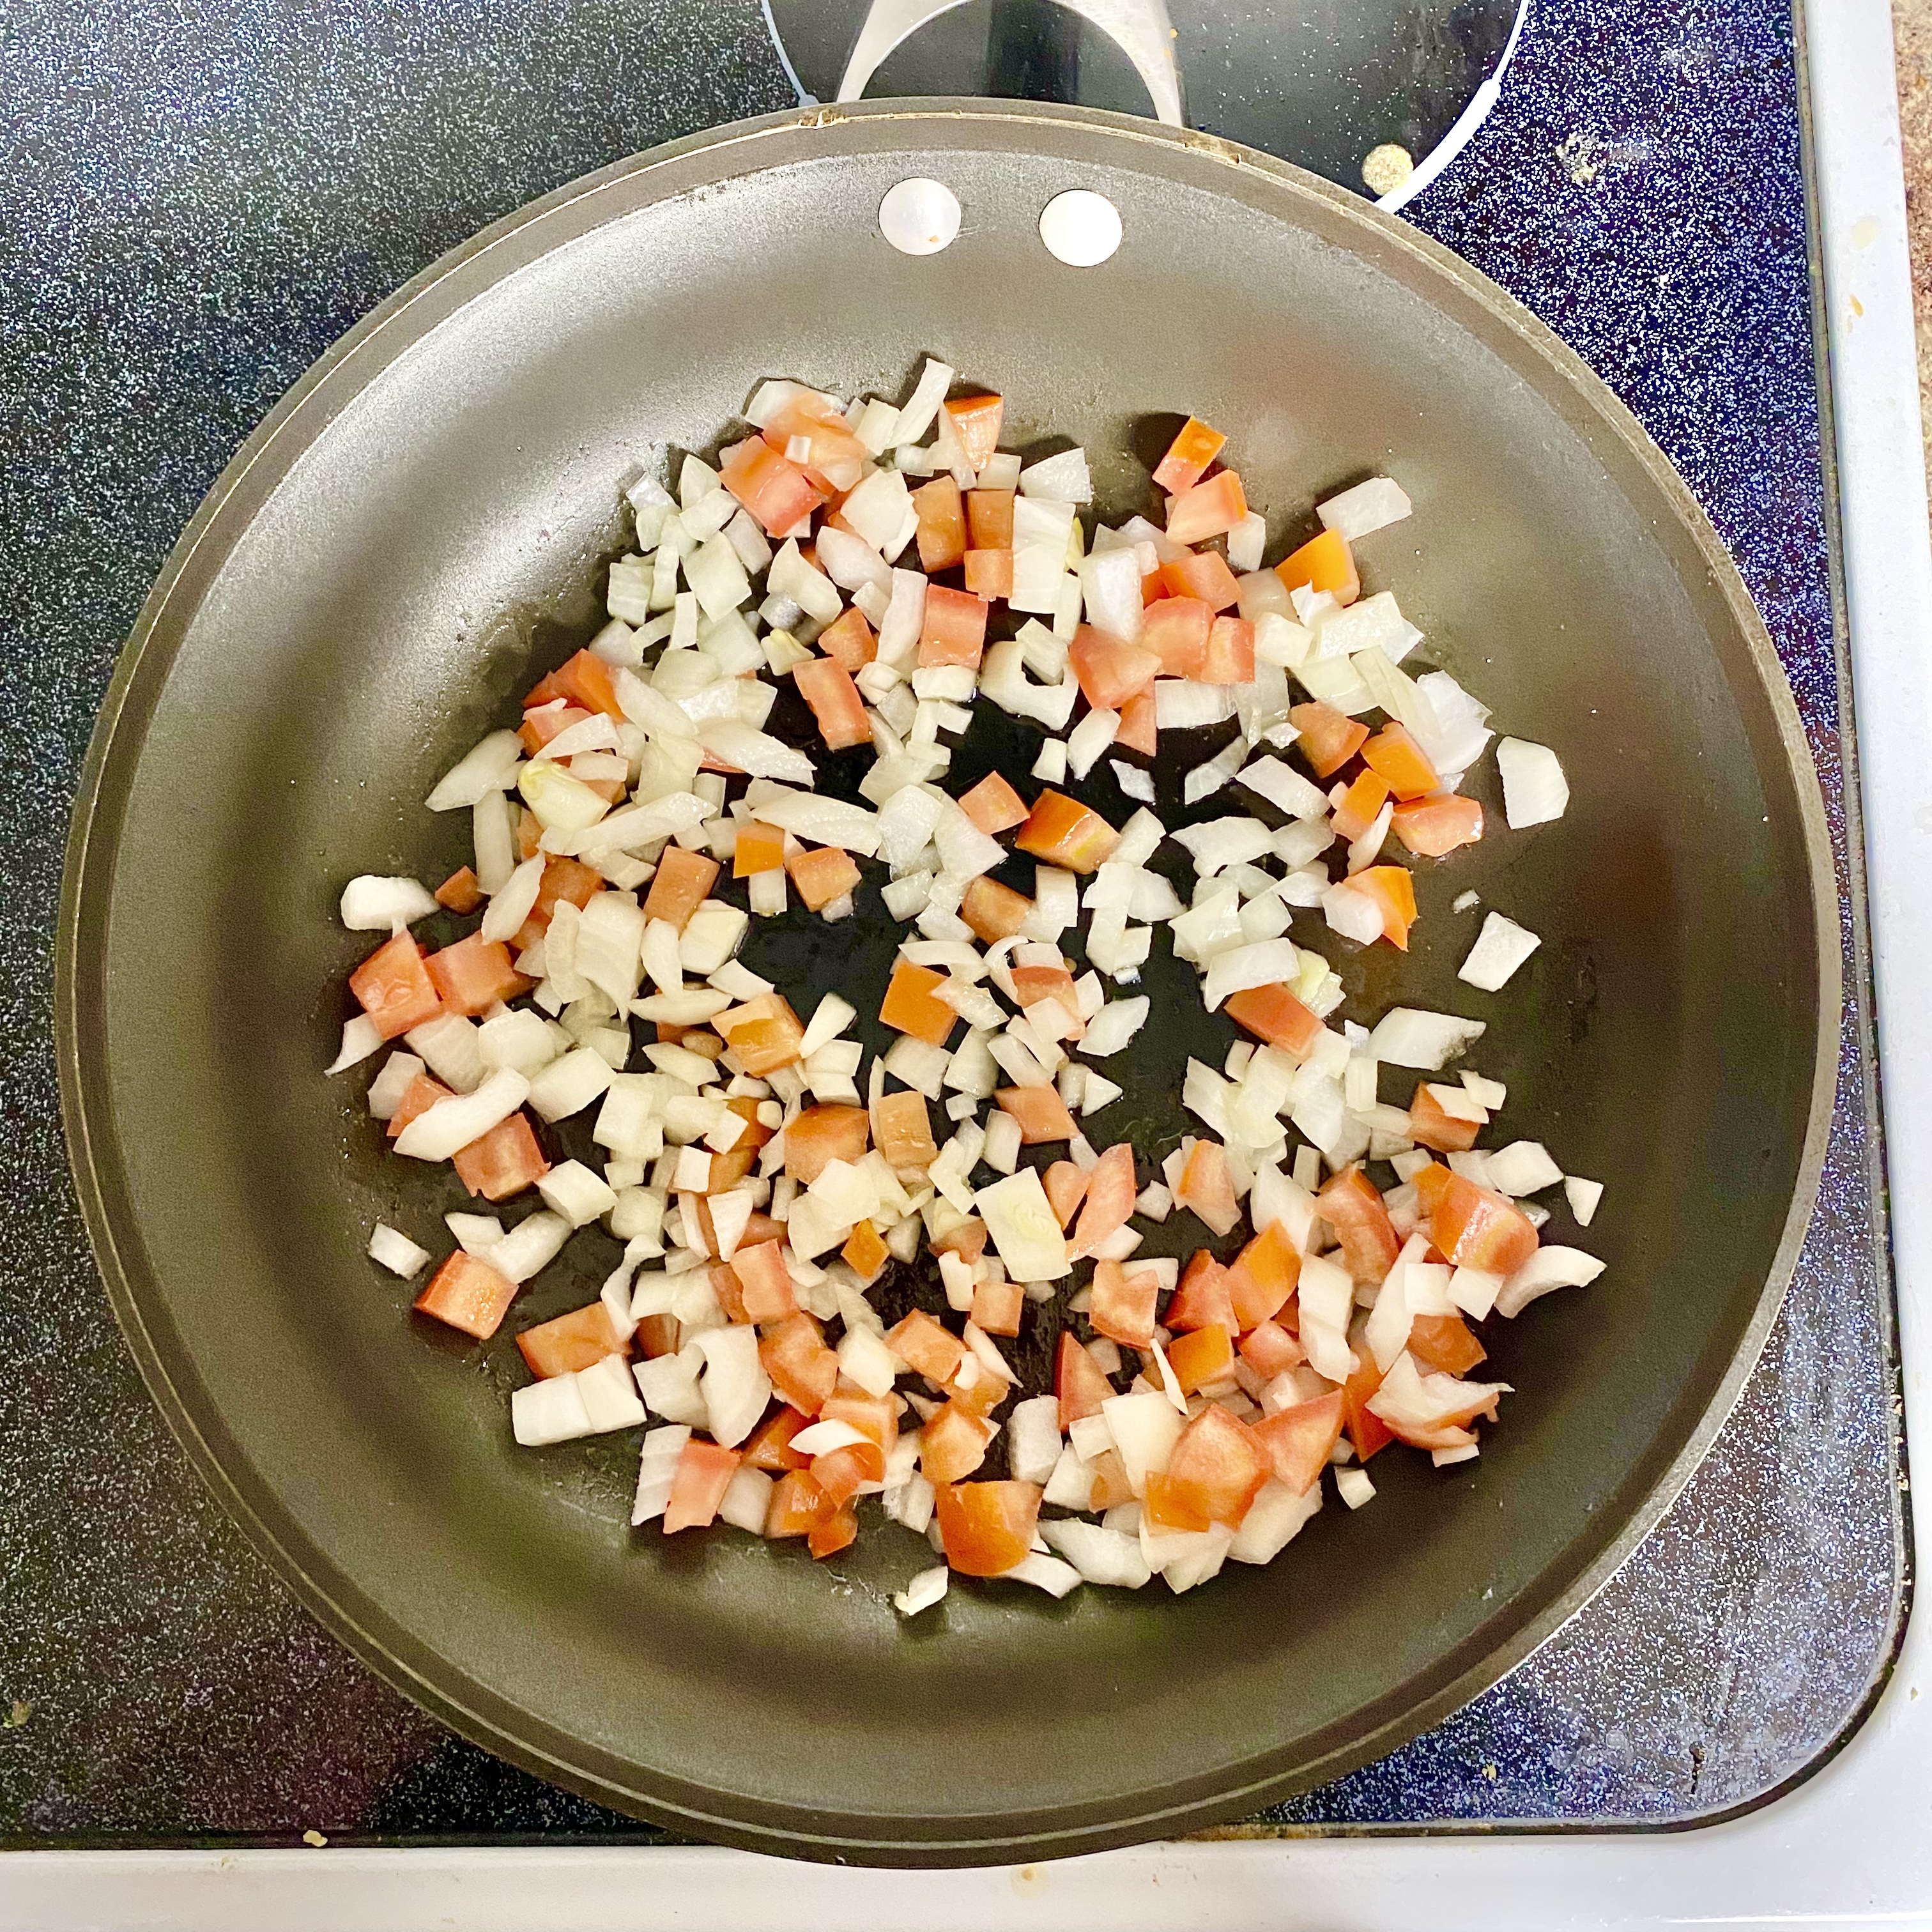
[{"x": 1140, "y": 28}]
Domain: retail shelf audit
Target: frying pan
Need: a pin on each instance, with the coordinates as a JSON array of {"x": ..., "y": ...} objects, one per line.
[{"x": 410, "y": 538}]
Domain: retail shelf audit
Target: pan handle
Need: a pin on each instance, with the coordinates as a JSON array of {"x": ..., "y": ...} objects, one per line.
[{"x": 1140, "y": 28}]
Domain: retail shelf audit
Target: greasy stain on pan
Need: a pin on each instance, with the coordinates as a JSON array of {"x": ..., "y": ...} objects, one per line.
[{"x": 408, "y": 540}]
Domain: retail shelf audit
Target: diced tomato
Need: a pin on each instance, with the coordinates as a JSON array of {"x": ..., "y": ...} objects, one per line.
[
  {"x": 758, "y": 848},
  {"x": 926, "y": 1347},
  {"x": 724, "y": 1282},
  {"x": 1392, "y": 888},
  {"x": 942, "y": 524},
  {"x": 1367, "y": 1430},
  {"x": 994, "y": 911},
  {"x": 803, "y": 1370},
  {"x": 848, "y": 640},
  {"x": 567, "y": 1342},
  {"x": 1077, "y": 1382},
  {"x": 1066, "y": 1185},
  {"x": 764, "y": 1284},
  {"x": 1329, "y": 738},
  {"x": 993, "y": 805},
  {"x": 1270, "y": 1349},
  {"x": 763, "y": 1034},
  {"x": 1110, "y": 671},
  {"x": 770, "y": 1447},
  {"x": 1323, "y": 563},
  {"x": 910, "y": 1007},
  {"x": 1432, "y": 1184},
  {"x": 728, "y": 1169},
  {"x": 1430, "y": 1127},
  {"x": 1202, "y": 573},
  {"x": 1394, "y": 752},
  {"x": 473, "y": 975},
  {"x": 954, "y": 631},
  {"x": 1218, "y": 1466},
  {"x": 827, "y": 685},
  {"x": 967, "y": 1240},
  {"x": 1263, "y": 1277},
  {"x": 760, "y": 1227},
  {"x": 418, "y": 1097},
  {"x": 1176, "y": 630},
  {"x": 1110, "y": 1199},
  {"x": 989, "y": 573},
  {"x": 1202, "y": 1298},
  {"x": 562, "y": 879},
  {"x": 1041, "y": 1112},
  {"x": 1207, "y": 1188},
  {"x": 584, "y": 680},
  {"x": 1299, "y": 1440},
  {"x": 840, "y": 1472},
  {"x": 822, "y": 875},
  {"x": 468, "y": 1294},
  {"x": 1122, "y": 1305},
  {"x": 1353, "y": 1209},
  {"x": 832, "y": 1130},
  {"x": 834, "y": 1532},
  {"x": 681, "y": 884},
  {"x": 1445, "y": 1343},
  {"x": 864, "y": 1252},
  {"x": 903, "y": 1129},
  {"x": 1204, "y": 510},
  {"x": 953, "y": 1444},
  {"x": 503, "y": 1162},
  {"x": 1050, "y": 986},
  {"x": 1364, "y": 798},
  {"x": 549, "y": 720},
  {"x": 1173, "y": 1506},
  {"x": 1138, "y": 731},
  {"x": 1201, "y": 1357},
  {"x": 1111, "y": 1485},
  {"x": 776, "y": 491},
  {"x": 1231, "y": 652},
  {"x": 875, "y": 1417},
  {"x": 998, "y": 1307},
  {"x": 1431, "y": 827},
  {"x": 529, "y": 832},
  {"x": 1475, "y": 1227},
  {"x": 838, "y": 459},
  {"x": 697, "y": 1486},
  {"x": 987, "y": 1527},
  {"x": 459, "y": 892},
  {"x": 797, "y": 1507},
  {"x": 1188, "y": 457},
  {"x": 975, "y": 422},
  {"x": 1065, "y": 833},
  {"x": 393, "y": 987},
  {"x": 989, "y": 519},
  {"x": 1273, "y": 1014}
]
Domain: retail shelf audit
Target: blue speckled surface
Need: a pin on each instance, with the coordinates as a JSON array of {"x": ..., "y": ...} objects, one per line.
[{"x": 197, "y": 201}]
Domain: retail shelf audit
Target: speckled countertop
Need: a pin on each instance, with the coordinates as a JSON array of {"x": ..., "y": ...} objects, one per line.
[{"x": 199, "y": 201}]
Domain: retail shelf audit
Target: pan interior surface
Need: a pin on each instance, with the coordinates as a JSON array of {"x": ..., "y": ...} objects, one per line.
[{"x": 400, "y": 555}]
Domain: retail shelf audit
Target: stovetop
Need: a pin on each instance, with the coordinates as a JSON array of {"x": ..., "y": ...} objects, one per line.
[{"x": 199, "y": 204}]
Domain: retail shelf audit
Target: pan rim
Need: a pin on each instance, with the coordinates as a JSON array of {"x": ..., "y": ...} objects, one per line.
[{"x": 114, "y": 752}]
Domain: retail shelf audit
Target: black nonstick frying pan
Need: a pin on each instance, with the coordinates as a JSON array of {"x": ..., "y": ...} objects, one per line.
[{"x": 412, "y": 537}]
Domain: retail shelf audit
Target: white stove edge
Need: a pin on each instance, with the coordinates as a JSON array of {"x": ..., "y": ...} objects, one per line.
[{"x": 1852, "y": 1846}]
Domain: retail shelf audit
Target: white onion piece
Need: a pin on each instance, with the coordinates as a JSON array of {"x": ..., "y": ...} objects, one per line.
[
  {"x": 1583, "y": 1196},
  {"x": 916, "y": 417},
  {"x": 657, "y": 1467},
  {"x": 361, "y": 1037},
  {"x": 1500, "y": 948},
  {"x": 1044, "y": 1573},
  {"x": 1549, "y": 1267},
  {"x": 1144, "y": 1429},
  {"x": 1089, "y": 739},
  {"x": 1023, "y": 1228},
  {"x": 1110, "y": 585},
  {"x": 734, "y": 1384},
  {"x": 1523, "y": 1167},
  {"x": 1274, "y": 1519},
  {"x": 1368, "y": 507},
  {"x": 1110, "y": 1030},
  {"x": 1284, "y": 788},
  {"x": 1325, "y": 1297},
  {"x": 1215, "y": 843},
  {"x": 1354, "y": 1487},
  {"x": 441, "y": 1130},
  {"x": 490, "y": 767},
  {"x": 371, "y": 904},
  {"x": 1534, "y": 790},
  {"x": 1061, "y": 478},
  {"x": 1184, "y": 704},
  {"x": 1412, "y": 1036},
  {"x": 1004, "y": 678},
  {"x": 1352, "y": 914},
  {"x": 1101, "y": 1555},
  {"x": 1243, "y": 967},
  {"x": 825, "y": 821},
  {"x": 393, "y": 1250},
  {"x": 1033, "y": 1439},
  {"x": 452, "y": 1047},
  {"x": 924, "y": 1590},
  {"x": 553, "y": 1410}
]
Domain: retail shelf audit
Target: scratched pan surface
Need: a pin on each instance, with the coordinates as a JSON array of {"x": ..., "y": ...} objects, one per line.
[{"x": 409, "y": 541}]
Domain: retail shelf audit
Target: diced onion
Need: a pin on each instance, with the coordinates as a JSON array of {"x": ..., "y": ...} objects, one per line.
[{"x": 1534, "y": 790}]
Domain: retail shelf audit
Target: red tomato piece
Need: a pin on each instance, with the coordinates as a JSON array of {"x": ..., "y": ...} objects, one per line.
[
  {"x": 758, "y": 848},
  {"x": 1273, "y": 1014},
  {"x": 418, "y": 1097},
  {"x": 1111, "y": 1192},
  {"x": 1394, "y": 754},
  {"x": 1367, "y": 1430},
  {"x": 864, "y": 1252},
  {"x": 1176, "y": 630},
  {"x": 975, "y": 422},
  {"x": 1393, "y": 890},
  {"x": 1204, "y": 510},
  {"x": 1270, "y": 1349},
  {"x": 839, "y": 1472},
  {"x": 953, "y": 1444},
  {"x": 989, "y": 519},
  {"x": 567, "y": 1342},
  {"x": 764, "y": 1284},
  {"x": 393, "y": 987},
  {"x": 562, "y": 879},
  {"x": 967, "y": 1240},
  {"x": 763, "y": 1033},
  {"x": 998, "y": 1307},
  {"x": 902, "y": 1128},
  {"x": 798, "y": 1505},
  {"x": 1263, "y": 1277},
  {"x": 942, "y": 524},
  {"x": 1202, "y": 573},
  {"x": 823, "y": 875},
  {"x": 1351, "y": 1206},
  {"x": 1431, "y": 827},
  {"x": 926, "y": 1347},
  {"x": 993, "y": 805},
  {"x": 776, "y": 491},
  {"x": 1299, "y": 1440},
  {"x": 468, "y": 1294},
  {"x": 954, "y": 631},
  {"x": 681, "y": 884},
  {"x": 1231, "y": 652},
  {"x": 770, "y": 1445},
  {"x": 459, "y": 892},
  {"x": 994, "y": 911},
  {"x": 584, "y": 679},
  {"x": 1077, "y": 1382},
  {"x": 1329, "y": 738},
  {"x": 1364, "y": 798},
  {"x": 1041, "y": 1112},
  {"x": 1138, "y": 731},
  {"x": 832, "y": 1130},
  {"x": 1109, "y": 670},
  {"x": 1445, "y": 1343},
  {"x": 1065, "y": 833},
  {"x": 989, "y": 573},
  {"x": 503, "y": 1162},
  {"x": 1066, "y": 1185},
  {"x": 911, "y": 1007},
  {"x": 1207, "y": 1188},
  {"x": 803, "y": 1370},
  {"x": 1323, "y": 563},
  {"x": 1202, "y": 1357},
  {"x": 875, "y": 1417},
  {"x": 697, "y": 1485},
  {"x": 1430, "y": 1127},
  {"x": 987, "y": 1527},
  {"x": 1202, "y": 1297},
  {"x": 1188, "y": 457},
  {"x": 1122, "y": 1305},
  {"x": 473, "y": 975},
  {"x": 1477, "y": 1227},
  {"x": 827, "y": 685},
  {"x": 836, "y": 459},
  {"x": 1218, "y": 1466},
  {"x": 547, "y": 721},
  {"x": 834, "y": 1532},
  {"x": 848, "y": 640}
]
